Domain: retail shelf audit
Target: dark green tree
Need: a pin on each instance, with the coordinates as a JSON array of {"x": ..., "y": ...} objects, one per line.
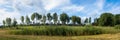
[
  {"x": 3, "y": 22},
  {"x": 27, "y": 20},
  {"x": 86, "y": 20},
  {"x": 49, "y": 17},
  {"x": 107, "y": 19},
  {"x": 117, "y": 19},
  {"x": 68, "y": 19},
  {"x": 55, "y": 18},
  {"x": 63, "y": 18},
  {"x": 96, "y": 21},
  {"x": 90, "y": 20},
  {"x": 74, "y": 19},
  {"x": 39, "y": 17},
  {"x": 14, "y": 22},
  {"x": 22, "y": 19},
  {"x": 44, "y": 19},
  {"x": 78, "y": 20},
  {"x": 8, "y": 21},
  {"x": 35, "y": 16}
]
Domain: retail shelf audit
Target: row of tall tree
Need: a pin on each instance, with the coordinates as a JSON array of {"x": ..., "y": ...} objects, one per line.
[
  {"x": 106, "y": 19},
  {"x": 9, "y": 22}
]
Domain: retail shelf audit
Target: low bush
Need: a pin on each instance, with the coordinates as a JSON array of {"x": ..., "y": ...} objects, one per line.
[
  {"x": 92, "y": 31},
  {"x": 117, "y": 26}
]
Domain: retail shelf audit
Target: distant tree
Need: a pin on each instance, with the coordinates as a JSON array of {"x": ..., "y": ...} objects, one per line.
[
  {"x": 90, "y": 20},
  {"x": 39, "y": 17},
  {"x": 107, "y": 19},
  {"x": 49, "y": 17},
  {"x": 55, "y": 18},
  {"x": 68, "y": 19},
  {"x": 27, "y": 20},
  {"x": 8, "y": 21},
  {"x": 74, "y": 18},
  {"x": 63, "y": 18},
  {"x": 78, "y": 20},
  {"x": 44, "y": 19},
  {"x": 35, "y": 16},
  {"x": 3, "y": 22},
  {"x": 22, "y": 19},
  {"x": 117, "y": 19},
  {"x": 86, "y": 20},
  {"x": 96, "y": 21},
  {"x": 14, "y": 22}
]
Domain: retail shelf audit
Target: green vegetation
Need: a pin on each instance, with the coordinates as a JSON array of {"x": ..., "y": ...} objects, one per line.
[
  {"x": 63, "y": 25},
  {"x": 117, "y": 26},
  {"x": 64, "y": 31},
  {"x": 107, "y": 19}
]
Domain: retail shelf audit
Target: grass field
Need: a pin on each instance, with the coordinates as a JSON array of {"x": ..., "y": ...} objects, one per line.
[{"x": 4, "y": 35}]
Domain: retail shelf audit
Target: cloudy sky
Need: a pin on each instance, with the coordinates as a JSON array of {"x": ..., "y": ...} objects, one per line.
[{"x": 82, "y": 8}]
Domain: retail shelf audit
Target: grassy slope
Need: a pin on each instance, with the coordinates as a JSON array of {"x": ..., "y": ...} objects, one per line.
[{"x": 5, "y": 36}]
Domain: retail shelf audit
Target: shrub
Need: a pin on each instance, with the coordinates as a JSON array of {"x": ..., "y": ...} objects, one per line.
[
  {"x": 117, "y": 26},
  {"x": 92, "y": 31}
]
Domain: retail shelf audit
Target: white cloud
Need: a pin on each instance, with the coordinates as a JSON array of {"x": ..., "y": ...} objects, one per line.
[
  {"x": 51, "y": 4},
  {"x": 4, "y": 15},
  {"x": 100, "y": 4},
  {"x": 73, "y": 8},
  {"x": 115, "y": 10}
]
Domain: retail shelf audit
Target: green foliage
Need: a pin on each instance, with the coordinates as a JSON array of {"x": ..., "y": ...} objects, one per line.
[
  {"x": 74, "y": 18},
  {"x": 8, "y": 21},
  {"x": 92, "y": 31},
  {"x": 3, "y": 22},
  {"x": 117, "y": 19},
  {"x": 78, "y": 20},
  {"x": 86, "y": 20},
  {"x": 63, "y": 31},
  {"x": 35, "y": 16},
  {"x": 107, "y": 19},
  {"x": 117, "y": 26},
  {"x": 22, "y": 19},
  {"x": 90, "y": 20},
  {"x": 64, "y": 18},
  {"x": 55, "y": 18},
  {"x": 44, "y": 19},
  {"x": 14, "y": 22},
  {"x": 96, "y": 21},
  {"x": 27, "y": 20},
  {"x": 49, "y": 17}
]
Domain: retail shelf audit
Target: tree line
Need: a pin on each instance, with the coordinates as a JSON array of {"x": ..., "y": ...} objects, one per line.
[{"x": 105, "y": 19}]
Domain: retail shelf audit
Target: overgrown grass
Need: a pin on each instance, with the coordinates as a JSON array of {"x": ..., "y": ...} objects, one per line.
[
  {"x": 64, "y": 31},
  {"x": 117, "y": 26}
]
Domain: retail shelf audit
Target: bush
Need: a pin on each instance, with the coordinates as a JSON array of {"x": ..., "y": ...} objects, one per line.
[
  {"x": 117, "y": 26},
  {"x": 92, "y": 31}
]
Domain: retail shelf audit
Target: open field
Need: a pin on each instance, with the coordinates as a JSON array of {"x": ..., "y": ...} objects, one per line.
[{"x": 4, "y": 35}]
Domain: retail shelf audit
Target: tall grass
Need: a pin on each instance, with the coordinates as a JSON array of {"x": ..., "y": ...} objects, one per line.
[{"x": 63, "y": 31}]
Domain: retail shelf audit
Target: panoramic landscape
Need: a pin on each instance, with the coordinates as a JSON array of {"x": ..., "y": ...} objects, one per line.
[{"x": 59, "y": 19}]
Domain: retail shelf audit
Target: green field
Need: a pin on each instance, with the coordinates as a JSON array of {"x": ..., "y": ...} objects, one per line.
[{"x": 110, "y": 33}]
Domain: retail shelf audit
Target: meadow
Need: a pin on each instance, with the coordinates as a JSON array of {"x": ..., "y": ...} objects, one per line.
[{"x": 60, "y": 33}]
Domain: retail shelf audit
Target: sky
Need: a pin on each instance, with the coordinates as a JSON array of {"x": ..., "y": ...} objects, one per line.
[{"x": 81, "y": 8}]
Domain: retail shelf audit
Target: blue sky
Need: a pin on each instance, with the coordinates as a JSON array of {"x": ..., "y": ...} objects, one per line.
[{"x": 81, "y": 8}]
